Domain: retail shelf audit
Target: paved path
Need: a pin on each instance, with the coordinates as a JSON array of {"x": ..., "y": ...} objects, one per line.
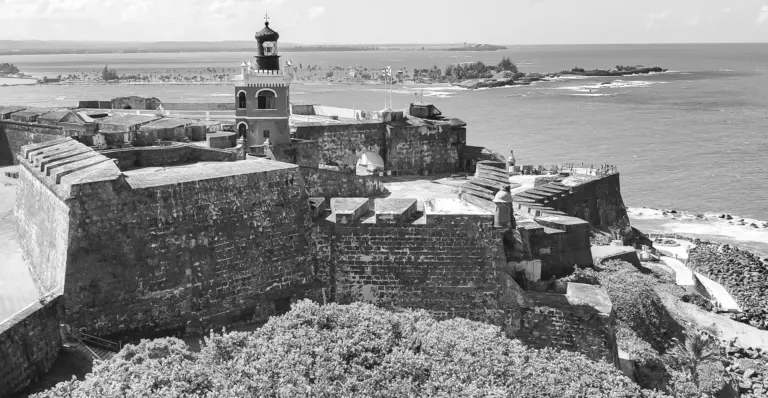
[
  {"x": 684, "y": 275},
  {"x": 720, "y": 294}
]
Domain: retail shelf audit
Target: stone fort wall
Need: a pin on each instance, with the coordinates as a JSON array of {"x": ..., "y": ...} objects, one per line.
[
  {"x": 581, "y": 320},
  {"x": 29, "y": 344},
  {"x": 189, "y": 255},
  {"x": 183, "y": 250},
  {"x": 405, "y": 147},
  {"x": 14, "y": 135},
  {"x": 406, "y": 253}
]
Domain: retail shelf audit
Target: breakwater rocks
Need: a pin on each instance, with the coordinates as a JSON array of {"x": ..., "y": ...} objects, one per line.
[
  {"x": 749, "y": 368},
  {"x": 743, "y": 273}
]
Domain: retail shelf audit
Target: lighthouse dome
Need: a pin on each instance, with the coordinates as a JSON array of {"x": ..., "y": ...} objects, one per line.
[{"x": 266, "y": 34}]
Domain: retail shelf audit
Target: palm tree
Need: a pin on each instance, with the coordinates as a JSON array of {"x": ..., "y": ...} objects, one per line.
[{"x": 699, "y": 348}]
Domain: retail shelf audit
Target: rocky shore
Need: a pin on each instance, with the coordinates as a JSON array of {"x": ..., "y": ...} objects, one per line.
[
  {"x": 743, "y": 273},
  {"x": 749, "y": 368}
]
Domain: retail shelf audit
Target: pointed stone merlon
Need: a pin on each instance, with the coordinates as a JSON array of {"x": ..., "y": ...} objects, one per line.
[
  {"x": 319, "y": 207},
  {"x": 63, "y": 163},
  {"x": 394, "y": 210},
  {"x": 349, "y": 210}
]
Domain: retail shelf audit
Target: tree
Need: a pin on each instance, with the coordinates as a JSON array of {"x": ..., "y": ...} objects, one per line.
[
  {"x": 350, "y": 350},
  {"x": 108, "y": 74},
  {"x": 697, "y": 349},
  {"x": 506, "y": 64}
]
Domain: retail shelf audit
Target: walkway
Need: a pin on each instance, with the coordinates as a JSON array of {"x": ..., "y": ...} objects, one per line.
[{"x": 684, "y": 275}]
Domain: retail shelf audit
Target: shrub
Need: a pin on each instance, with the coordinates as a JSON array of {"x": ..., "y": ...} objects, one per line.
[
  {"x": 354, "y": 350},
  {"x": 583, "y": 275},
  {"x": 636, "y": 303}
]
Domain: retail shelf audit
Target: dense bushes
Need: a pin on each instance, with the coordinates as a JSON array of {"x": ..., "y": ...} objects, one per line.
[
  {"x": 668, "y": 357},
  {"x": 583, "y": 275},
  {"x": 355, "y": 350}
]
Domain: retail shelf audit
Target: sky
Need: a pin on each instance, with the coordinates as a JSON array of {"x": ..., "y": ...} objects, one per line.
[{"x": 390, "y": 21}]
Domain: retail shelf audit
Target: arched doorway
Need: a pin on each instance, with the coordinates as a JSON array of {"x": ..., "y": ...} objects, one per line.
[
  {"x": 242, "y": 130},
  {"x": 369, "y": 163}
]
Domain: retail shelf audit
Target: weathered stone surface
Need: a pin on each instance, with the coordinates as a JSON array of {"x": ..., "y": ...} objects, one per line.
[
  {"x": 187, "y": 249},
  {"x": 14, "y": 135},
  {"x": 326, "y": 183},
  {"x": 581, "y": 320},
  {"x": 29, "y": 344}
]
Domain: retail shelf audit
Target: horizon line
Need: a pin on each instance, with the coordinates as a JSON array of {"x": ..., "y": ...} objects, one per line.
[{"x": 370, "y": 44}]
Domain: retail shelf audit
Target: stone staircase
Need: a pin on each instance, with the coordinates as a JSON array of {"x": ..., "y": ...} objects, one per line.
[
  {"x": 490, "y": 177},
  {"x": 93, "y": 347},
  {"x": 535, "y": 201}
]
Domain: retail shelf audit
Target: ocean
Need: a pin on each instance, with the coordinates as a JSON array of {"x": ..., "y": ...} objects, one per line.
[{"x": 694, "y": 139}]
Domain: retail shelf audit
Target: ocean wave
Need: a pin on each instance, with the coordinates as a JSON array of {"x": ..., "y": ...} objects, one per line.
[
  {"x": 220, "y": 95},
  {"x": 709, "y": 224},
  {"x": 613, "y": 84},
  {"x": 560, "y": 78},
  {"x": 592, "y": 95},
  {"x": 439, "y": 94}
]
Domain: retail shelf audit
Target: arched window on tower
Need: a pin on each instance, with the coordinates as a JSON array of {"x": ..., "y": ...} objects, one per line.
[
  {"x": 266, "y": 100},
  {"x": 242, "y": 129},
  {"x": 241, "y": 100}
]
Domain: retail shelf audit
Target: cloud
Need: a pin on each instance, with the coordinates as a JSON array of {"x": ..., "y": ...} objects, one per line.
[
  {"x": 55, "y": 6},
  {"x": 316, "y": 11},
  {"x": 727, "y": 9},
  {"x": 693, "y": 21},
  {"x": 12, "y": 9},
  {"x": 657, "y": 17},
  {"x": 763, "y": 16},
  {"x": 135, "y": 11}
]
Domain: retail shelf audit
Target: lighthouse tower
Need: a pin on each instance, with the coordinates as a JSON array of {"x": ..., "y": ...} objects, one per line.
[{"x": 262, "y": 94}]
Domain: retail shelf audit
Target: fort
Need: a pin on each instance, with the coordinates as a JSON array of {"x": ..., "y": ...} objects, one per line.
[{"x": 139, "y": 219}]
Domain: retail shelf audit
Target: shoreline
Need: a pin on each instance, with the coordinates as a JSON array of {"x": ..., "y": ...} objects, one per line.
[{"x": 722, "y": 228}]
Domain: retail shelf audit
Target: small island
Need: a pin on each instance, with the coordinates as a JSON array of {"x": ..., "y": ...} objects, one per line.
[
  {"x": 620, "y": 70},
  {"x": 477, "y": 47}
]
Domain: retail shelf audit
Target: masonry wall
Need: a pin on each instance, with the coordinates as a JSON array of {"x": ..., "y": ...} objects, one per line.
[
  {"x": 14, "y": 135},
  {"x": 187, "y": 257},
  {"x": 337, "y": 140},
  {"x": 29, "y": 345},
  {"x": 552, "y": 321},
  {"x": 327, "y": 183},
  {"x": 450, "y": 266},
  {"x": 43, "y": 231},
  {"x": 166, "y": 155},
  {"x": 560, "y": 252},
  {"x": 598, "y": 202},
  {"x": 417, "y": 148}
]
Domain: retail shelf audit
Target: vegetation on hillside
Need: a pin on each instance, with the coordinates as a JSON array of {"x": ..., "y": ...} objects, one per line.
[
  {"x": 676, "y": 359},
  {"x": 355, "y": 350}
]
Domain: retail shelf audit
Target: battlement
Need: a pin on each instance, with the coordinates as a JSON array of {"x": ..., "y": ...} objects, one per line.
[
  {"x": 64, "y": 163},
  {"x": 401, "y": 211}
]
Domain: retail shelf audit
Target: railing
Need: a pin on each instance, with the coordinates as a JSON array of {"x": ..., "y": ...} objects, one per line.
[
  {"x": 99, "y": 342},
  {"x": 82, "y": 344}
]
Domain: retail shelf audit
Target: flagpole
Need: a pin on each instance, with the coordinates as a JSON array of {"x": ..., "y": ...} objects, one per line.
[
  {"x": 354, "y": 113},
  {"x": 384, "y": 72}
]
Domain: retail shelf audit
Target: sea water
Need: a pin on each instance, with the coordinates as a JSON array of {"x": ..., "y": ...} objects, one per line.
[{"x": 693, "y": 139}]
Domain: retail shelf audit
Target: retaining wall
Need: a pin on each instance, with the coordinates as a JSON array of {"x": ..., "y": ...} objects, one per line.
[
  {"x": 581, "y": 320},
  {"x": 29, "y": 344}
]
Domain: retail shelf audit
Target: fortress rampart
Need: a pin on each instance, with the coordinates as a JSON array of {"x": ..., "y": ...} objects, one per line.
[
  {"x": 30, "y": 343},
  {"x": 144, "y": 237}
]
